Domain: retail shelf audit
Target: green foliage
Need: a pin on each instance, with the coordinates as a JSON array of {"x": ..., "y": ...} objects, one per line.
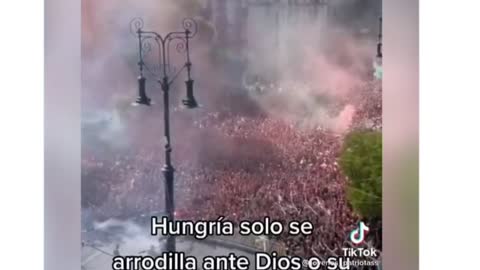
[{"x": 361, "y": 161}]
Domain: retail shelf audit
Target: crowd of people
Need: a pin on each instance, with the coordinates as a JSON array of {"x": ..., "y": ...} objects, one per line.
[{"x": 245, "y": 167}]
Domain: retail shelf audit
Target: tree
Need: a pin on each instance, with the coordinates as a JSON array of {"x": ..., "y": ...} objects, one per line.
[{"x": 361, "y": 161}]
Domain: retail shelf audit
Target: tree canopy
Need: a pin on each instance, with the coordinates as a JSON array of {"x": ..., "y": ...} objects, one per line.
[{"x": 361, "y": 162}]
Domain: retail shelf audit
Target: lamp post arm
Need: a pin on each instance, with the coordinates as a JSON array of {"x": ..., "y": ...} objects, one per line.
[
  {"x": 175, "y": 34},
  {"x": 163, "y": 42},
  {"x": 180, "y": 47},
  {"x": 155, "y": 34}
]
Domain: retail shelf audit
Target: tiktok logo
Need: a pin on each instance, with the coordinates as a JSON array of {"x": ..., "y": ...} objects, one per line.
[{"x": 358, "y": 235}]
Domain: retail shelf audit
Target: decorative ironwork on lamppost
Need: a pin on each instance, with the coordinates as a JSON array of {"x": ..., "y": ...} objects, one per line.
[
  {"x": 379, "y": 44},
  {"x": 377, "y": 63},
  {"x": 165, "y": 74}
]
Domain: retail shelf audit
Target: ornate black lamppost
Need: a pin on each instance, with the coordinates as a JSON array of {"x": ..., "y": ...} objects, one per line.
[
  {"x": 378, "y": 62},
  {"x": 166, "y": 76},
  {"x": 379, "y": 43}
]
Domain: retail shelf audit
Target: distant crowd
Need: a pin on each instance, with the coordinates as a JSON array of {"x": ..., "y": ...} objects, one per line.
[{"x": 246, "y": 168}]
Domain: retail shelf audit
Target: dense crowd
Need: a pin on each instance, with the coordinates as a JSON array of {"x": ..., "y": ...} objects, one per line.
[
  {"x": 244, "y": 168},
  {"x": 369, "y": 104}
]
